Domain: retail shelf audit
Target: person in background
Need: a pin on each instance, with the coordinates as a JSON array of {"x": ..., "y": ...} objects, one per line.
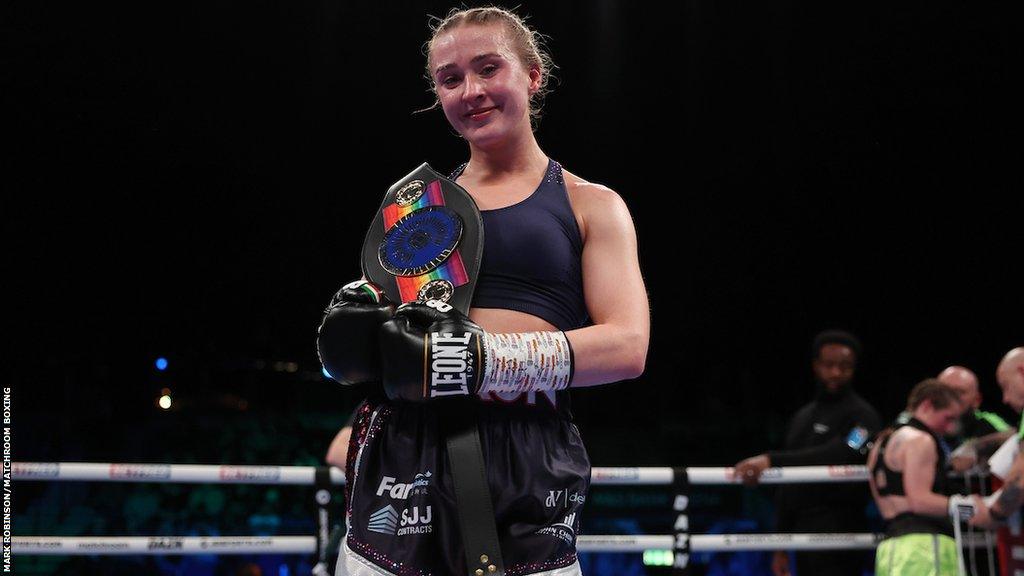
[
  {"x": 980, "y": 433},
  {"x": 910, "y": 485},
  {"x": 1010, "y": 376},
  {"x": 834, "y": 428}
]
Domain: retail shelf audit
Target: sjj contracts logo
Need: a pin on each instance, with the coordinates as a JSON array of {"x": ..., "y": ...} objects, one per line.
[{"x": 413, "y": 520}]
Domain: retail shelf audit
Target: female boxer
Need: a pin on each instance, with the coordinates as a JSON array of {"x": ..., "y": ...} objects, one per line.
[{"x": 559, "y": 275}]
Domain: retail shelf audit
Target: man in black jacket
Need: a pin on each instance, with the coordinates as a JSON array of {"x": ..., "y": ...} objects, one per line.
[{"x": 832, "y": 429}]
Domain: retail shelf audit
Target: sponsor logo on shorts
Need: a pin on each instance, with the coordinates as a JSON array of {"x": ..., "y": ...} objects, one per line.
[
  {"x": 563, "y": 530},
  {"x": 384, "y": 521},
  {"x": 399, "y": 491},
  {"x": 414, "y": 520},
  {"x": 563, "y": 498},
  {"x": 820, "y": 428}
]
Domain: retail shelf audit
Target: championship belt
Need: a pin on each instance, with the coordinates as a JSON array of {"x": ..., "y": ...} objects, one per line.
[{"x": 426, "y": 243}]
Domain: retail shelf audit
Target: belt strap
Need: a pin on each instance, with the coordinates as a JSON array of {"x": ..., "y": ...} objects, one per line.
[{"x": 472, "y": 495}]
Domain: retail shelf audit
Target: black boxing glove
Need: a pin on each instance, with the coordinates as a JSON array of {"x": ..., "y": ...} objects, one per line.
[
  {"x": 431, "y": 350},
  {"x": 347, "y": 338}
]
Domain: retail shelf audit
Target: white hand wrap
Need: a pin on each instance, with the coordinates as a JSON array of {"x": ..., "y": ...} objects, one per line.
[
  {"x": 961, "y": 507},
  {"x": 526, "y": 362}
]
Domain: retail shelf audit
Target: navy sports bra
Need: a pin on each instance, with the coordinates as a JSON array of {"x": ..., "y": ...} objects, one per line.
[{"x": 532, "y": 259}]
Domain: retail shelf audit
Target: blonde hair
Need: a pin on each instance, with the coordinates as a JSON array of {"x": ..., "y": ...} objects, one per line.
[{"x": 527, "y": 43}]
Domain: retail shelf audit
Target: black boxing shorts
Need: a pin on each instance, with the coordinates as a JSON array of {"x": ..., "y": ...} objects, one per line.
[{"x": 400, "y": 503}]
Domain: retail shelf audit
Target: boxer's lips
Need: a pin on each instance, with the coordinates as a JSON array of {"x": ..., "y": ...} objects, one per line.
[{"x": 481, "y": 113}]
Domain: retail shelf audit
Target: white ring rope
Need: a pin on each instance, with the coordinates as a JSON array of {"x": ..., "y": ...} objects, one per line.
[
  {"x": 187, "y": 545},
  {"x": 163, "y": 545},
  {"x": 172, "y": 473},
  {"x": 304, "y": 475}
]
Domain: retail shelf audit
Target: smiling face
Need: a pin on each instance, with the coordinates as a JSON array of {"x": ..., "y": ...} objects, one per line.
[{"x": 481, "y": 83}]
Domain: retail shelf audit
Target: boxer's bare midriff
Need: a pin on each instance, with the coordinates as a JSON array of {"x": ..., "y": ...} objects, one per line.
[{"x": 500, "y": 320}]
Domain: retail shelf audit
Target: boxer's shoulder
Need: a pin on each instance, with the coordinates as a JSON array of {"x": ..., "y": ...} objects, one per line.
[
  {"x": 912, "y": 438},
  {"x": 586, "y": 192},
  {"x": 591, "y": 201}
]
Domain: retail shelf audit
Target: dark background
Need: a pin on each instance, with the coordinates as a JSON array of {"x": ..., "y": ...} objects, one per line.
[{"x": 193, "y": 180}]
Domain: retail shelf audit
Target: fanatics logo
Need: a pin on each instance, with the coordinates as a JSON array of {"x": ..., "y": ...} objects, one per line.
[{"x": 399, "y": 491}]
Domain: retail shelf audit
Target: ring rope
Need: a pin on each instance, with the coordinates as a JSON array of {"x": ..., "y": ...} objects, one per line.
[
  {"x": 171, "y": 473},
  {"x": 190, "y": 545},
  {"x": 304, "y": 475}
]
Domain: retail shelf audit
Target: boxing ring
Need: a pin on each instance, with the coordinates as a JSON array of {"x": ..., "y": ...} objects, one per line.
[{"x": 681, "y": 542}]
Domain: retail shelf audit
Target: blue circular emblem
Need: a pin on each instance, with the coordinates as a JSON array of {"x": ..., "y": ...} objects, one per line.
[{"x": 420, "y": 241}]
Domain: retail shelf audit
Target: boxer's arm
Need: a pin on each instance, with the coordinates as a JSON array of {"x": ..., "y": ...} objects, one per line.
[
  {"x": 835, "y": 451},
  {"x": 919, "y": 460},
  {"x": 615, "y": 347},
  {"x": 986, "y": 445},
  {"x": 849, "y": 448},
  {"x": 338, "y": 450}
]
